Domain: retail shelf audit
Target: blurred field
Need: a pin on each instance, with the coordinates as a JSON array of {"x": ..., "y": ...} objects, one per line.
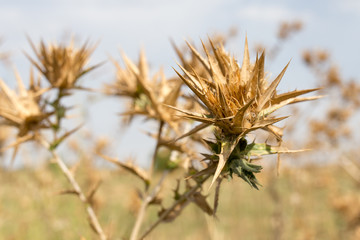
[{"x": 303, "y": 203}]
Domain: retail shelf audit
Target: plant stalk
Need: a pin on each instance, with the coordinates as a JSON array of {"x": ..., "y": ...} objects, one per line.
[
  {"x": 148, "y": 197},
  {"x": 147, "y": 200},
  {"x": 158, "y": 143},
  {"x": 94, "y": 222},
  {"x": 182, "y": 198}
]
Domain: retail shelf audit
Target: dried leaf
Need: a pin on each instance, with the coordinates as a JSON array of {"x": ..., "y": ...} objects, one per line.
[
  {"x": 285, "y": 96},
  {"x": 245, "y": 68},
  {"x": 58, "y": 141},
  {"x": 200, "y": 201},
  {"x": 192, "y": 131},
  {"x": 93, "y": 190},
  {"x": 174, "y": 213},
  {"x": 241, "y": 112},
  {"x": 209, "y": 170},
  {"x": 130, "y": 168},
  {"x": 217, "y": 194},
  {"x": 267, "y": 122},
  {"x": 192, "y": 115},
  {"x": 18, "y": 141},
  {"x": 198, "y": 56},
  {"x": 271, "y": 90},
  {"x": 70, "y": 192}
]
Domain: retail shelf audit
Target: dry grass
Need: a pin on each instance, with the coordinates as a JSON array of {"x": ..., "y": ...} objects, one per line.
[{"x": 30, "y": 202}]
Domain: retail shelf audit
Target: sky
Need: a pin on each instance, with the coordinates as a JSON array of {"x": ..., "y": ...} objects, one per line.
[{"x": 149, "y": 24}]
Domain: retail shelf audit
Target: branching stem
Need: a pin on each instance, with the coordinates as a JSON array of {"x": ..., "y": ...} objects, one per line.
[
  {"x": 181, "y": 199},
  {"x": 147, "y": 200},
  {"x": 94, "y": 222}
]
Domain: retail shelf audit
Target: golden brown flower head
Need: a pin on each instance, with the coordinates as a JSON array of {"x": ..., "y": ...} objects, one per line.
[
  {"x": 62, "y": 66},
  {"x": 148, "y": 94},
  {"x": 4, "y": 136},
  {"x": 237, "y": 99},
  {"x": 190, "y": 61},
  {"x": 22, "y": 110}
]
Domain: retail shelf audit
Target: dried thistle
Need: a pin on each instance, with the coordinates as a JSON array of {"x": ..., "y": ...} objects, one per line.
[
  {"x": 62, "y": 66},
  {"x": 333, "y": 77},
  {"x": 148, "y": 94},
  {"x": 4, "y": 135},
  {"x": 350, "y": 93},
  {"x": 237, "y": 100},
  {"x": 287, "y": 28},
  {"x": 189, "y": 59},
  {"x": 315, "y": 57},
  {"x": 24, "y": 110}
]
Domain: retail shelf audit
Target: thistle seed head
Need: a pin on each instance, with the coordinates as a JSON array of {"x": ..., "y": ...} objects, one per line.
[
  {"x": 237, "y": 99},
  {"x": 62, "y": 66},
  {"x": 23, "y": 110}
]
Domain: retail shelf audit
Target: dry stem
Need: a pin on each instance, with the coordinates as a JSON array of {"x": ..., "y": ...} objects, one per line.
[
  {"x": 149, "y": 197},
  {"x": 158, "y": 143},
  {"x": 145, "y": 203},
  {"x": 94, "y": 222},
  {"x": 351, "y": 168},
  {"x": 182, "y": 198}
]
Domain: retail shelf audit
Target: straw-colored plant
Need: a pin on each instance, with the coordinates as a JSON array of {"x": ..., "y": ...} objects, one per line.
[
  {"x": 30, "y": 111},
  {"x": 62, "y": 66},
  {"x": 23, "y": 111},
  {"x": 148, "y": 94},
  {"x": 237, "y": 100},
  {"x": 228, "y": 99}
]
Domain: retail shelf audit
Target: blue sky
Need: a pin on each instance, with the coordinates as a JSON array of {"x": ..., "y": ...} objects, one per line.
[{"x": 130, "y": 25}]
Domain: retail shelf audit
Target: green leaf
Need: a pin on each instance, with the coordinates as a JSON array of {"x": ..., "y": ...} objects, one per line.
[
  {"x": 60, "y": 112},
  {"x": 214, "y": 146},
  {"x": 245, "y": 170},
  {"x": 227, "y": 147},
  {"x": 259, "y": 149}
]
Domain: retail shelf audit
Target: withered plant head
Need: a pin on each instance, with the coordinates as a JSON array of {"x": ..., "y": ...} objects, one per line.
[
  {"x": 62, "y": 66},
  {"x": 189, "y": 59},
  {"x": 4, "y": 136},
  {"x": 23, "y": 110},
  {"x": 148, "y": 94},
  {"x": 237, "y": 100},
  {"x": 287, "y": 28}
]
